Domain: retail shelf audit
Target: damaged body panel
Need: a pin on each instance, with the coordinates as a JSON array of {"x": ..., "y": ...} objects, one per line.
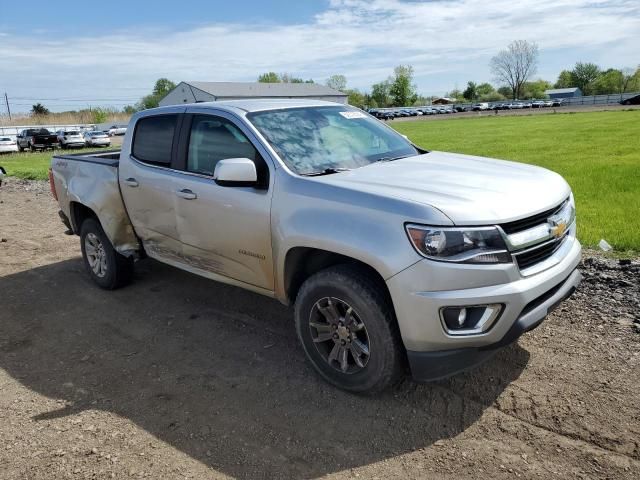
[{"x": 91, "y": 181}]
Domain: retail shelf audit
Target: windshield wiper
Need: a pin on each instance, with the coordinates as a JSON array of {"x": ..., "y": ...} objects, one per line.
[
  {"x": 391, "y": 159},
  {"x": 326, "y": 171}
]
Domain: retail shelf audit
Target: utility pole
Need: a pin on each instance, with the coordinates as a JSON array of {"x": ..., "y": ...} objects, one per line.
[{"x": 6, "y": 100}]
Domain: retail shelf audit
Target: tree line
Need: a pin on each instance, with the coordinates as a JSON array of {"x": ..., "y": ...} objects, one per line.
[{"x": 513, "y": 69}]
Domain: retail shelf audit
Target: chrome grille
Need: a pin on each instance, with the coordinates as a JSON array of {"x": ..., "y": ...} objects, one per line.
[
  {"x": 529, "y": 253},
  {"x": 539, "y": 253},
  {"x": 529, "y": 222}
]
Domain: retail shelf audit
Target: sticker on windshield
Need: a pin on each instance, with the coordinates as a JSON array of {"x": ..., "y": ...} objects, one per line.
[{"x": 352, "y": 115}]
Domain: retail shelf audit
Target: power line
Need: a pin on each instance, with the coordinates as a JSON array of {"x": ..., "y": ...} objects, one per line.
[{"x": 6, "y": 100}]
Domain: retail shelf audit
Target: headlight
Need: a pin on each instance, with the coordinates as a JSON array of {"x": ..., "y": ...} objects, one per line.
[{"x": 461, "y": 245}]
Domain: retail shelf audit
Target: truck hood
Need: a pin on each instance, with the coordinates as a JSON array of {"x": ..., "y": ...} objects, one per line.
[{"x": 469, "y": 190}]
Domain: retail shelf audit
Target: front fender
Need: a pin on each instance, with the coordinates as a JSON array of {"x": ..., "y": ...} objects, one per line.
[{"x": 362, "y": 226}]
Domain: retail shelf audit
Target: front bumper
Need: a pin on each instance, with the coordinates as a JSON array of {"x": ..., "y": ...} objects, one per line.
[
  {"x": 428, "y": 366},
  {"x": 420, "y": 291}
]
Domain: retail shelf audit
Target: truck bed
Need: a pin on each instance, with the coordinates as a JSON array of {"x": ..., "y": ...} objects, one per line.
[
  {"x": 91, "y": 181},
  {"x": 110, "y": 158}
]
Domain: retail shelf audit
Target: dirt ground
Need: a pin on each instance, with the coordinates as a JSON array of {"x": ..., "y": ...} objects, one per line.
[{"x": 179, "y": 377}]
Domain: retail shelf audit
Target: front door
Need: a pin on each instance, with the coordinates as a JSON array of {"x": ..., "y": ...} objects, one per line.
[{"x": 224, "y": 230}]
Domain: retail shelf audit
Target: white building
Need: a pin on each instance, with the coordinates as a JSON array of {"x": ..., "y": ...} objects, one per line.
[{"x": 193, "y": 92}]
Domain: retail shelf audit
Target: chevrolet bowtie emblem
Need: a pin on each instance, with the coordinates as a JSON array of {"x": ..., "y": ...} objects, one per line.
[{"x": 558, "y": 229}]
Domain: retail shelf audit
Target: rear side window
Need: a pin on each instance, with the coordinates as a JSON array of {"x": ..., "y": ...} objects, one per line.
[{"x": 153, "y": 139}]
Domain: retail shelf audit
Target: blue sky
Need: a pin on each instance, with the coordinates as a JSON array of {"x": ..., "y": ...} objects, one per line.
[{"x": 110, "y": 53}]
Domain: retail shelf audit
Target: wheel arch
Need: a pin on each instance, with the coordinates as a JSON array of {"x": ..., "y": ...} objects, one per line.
[
  {"x": 79, "y": 213},
  {"x": 303, "y": 262}
]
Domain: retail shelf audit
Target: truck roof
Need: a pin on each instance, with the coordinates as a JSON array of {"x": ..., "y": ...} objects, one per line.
[{"x": 257, "y": 104}]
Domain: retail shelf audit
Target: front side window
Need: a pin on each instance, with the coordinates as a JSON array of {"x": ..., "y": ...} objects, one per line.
[
  {"x": 314, "y": 139},
  {"x": 213, "y": 139},
  {"x": 153, "y": 139}
]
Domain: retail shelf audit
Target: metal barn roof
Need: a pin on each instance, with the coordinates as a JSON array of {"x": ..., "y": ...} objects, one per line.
[{"x": 554, "y": 91}]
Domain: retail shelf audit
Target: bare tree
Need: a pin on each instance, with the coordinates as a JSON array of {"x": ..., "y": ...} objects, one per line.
[
  {"x": 629, "y": 80},
  {"x": 337, "y": 82},
  {"x": 515, "y": 65}
]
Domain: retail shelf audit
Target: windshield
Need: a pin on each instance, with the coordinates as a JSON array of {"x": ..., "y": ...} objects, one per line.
[
  {"x": 315, "y": 139},
  {"x": 72, "y": 132}
]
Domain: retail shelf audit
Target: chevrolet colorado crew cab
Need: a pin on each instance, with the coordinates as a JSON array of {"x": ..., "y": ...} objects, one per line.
[{"x": 395, "y": 258}]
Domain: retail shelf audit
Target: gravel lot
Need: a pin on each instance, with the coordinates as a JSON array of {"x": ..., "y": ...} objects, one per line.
[{"x": 180, "y": 377}]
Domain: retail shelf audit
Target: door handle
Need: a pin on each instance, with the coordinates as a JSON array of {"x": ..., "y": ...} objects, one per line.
[
  {"x": 186, "y": 194},
  {"x": 132, "y": 182}
]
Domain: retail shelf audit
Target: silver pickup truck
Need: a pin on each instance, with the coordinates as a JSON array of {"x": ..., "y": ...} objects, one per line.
[{"x": 394, "y": 257}]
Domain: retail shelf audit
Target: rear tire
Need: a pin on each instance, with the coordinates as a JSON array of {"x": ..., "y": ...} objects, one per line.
[
  {"x": 107, "y": 268},
  {"x": 347, "y": 327}
]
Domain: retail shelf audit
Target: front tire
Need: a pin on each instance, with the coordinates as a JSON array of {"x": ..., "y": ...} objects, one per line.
[
  {"x": 105, "y": 265},
  {"x": 347, "y": 327}
]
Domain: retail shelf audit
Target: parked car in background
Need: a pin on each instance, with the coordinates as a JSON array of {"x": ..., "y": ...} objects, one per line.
[
  {"x": 631, "y": 101},
  {"x": 558, "y": 102},
  {"x": 537, "y": 104},
  {"x": 96, "y": 139},
  {"x": 36, "y": 139},
  {"x": 480, "y": 107},
  {"x": 116, "y": 130},
  {"x": 548, "y": 103},
  {"x": 70, "y": 139},
  {"x": 391, "y": 255},
  {"x": 8, "y": 145}
]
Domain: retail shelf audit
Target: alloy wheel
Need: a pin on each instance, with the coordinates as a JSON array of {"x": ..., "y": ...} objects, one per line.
[
  {"x": 96, "y": 255},
  {"x": 339, "y": 335}
]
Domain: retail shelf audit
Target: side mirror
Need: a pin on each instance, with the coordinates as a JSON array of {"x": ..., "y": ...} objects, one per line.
[{"x": 238, "y": 172}]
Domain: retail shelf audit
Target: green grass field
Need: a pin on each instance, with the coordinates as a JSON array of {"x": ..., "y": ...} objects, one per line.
[
  {"x": 597, "y": 152},
  {"x": 35, "y": 166}
]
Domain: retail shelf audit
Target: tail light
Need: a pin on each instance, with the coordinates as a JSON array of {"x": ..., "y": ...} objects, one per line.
[{"x": 52, "y": 184}]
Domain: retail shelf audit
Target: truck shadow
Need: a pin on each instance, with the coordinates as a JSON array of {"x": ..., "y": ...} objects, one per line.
[{"x": 217, "y": 373}]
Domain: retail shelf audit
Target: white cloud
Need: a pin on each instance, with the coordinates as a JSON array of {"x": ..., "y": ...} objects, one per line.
[{"x": 445, "y": 41}]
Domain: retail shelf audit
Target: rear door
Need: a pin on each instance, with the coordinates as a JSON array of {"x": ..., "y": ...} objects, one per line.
[
  {"x": 147, "y": 184},
  {"x": 224, "y": 230}
]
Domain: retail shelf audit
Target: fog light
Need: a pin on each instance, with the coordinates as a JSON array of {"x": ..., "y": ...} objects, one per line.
[
  {"x": 469, "y": 320},
  {"x": 462, "y": 317}
]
